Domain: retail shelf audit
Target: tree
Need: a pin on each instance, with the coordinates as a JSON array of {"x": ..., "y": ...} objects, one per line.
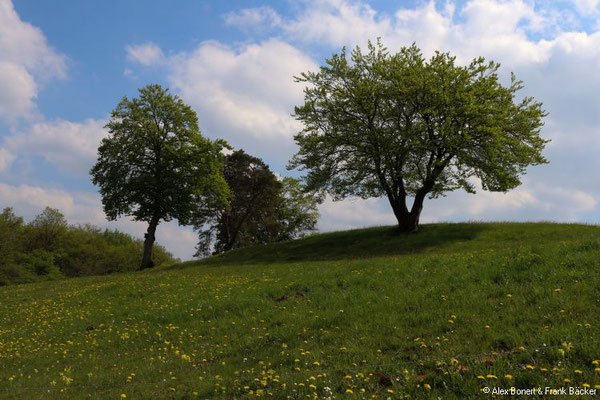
[
  {"x": 297, "y": 211},
  {"x": 263, "y": 208},
  {"x": 398, "y": 125},
  {"x": 47, "y": 230},
  {"x": 156, "y": 166}
]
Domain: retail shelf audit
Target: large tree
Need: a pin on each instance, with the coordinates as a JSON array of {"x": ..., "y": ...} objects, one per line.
[
  {"x": 156, "y": 166},
  {"x": 263, "y": 208},
  {"x": 398, "y": 125}
]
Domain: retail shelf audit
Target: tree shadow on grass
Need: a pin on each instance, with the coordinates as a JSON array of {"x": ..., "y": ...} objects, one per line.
[{"x": 354, "y": 244}]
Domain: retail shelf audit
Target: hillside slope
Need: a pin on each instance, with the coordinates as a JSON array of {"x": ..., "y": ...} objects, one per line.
[{"x": 365, "y": 313}]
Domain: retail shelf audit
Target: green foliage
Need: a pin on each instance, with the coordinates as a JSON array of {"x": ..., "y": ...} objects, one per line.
[
  {"x": 49, "y": 248},
  {"x": 297, "y": 211},
  {"x": 155, "y": 165},
  {"x": 397, "y": 125},
  {"x": 262, "y": 209},
  {"x": 41, "y": 262},
  {"x": 365, "y": 310}
]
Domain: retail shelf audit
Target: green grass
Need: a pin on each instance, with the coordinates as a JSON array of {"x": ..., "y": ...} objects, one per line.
[{"x": 382, "y": 314}]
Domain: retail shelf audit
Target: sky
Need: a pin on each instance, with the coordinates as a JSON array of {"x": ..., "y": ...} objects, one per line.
[{"x": 65, "y": 64}]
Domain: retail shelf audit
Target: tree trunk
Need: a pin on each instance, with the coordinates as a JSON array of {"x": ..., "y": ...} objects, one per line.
[
  {"x": 148, "y": 244},
  {"x": 408, "y": 221}
]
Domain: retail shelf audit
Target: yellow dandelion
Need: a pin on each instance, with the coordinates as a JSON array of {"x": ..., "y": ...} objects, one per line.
[
  {"x": 529, "y": 366},
  {"x": 427, "y": 386},
  {"x": 508, "y": 376},
  {"x": 490, "y": 376}
]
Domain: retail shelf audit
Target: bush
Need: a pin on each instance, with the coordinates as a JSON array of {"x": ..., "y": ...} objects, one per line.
[{"x": 50, "y": 248}]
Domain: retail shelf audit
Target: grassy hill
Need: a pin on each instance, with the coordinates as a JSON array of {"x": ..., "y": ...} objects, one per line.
[{"x": 358, "y": 314}]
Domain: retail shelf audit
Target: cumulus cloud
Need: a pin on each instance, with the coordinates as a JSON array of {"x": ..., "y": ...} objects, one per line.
[
  {"x": 6, "y": 159},
  {"x": 69, "y": 145},
  {"x": 145, "y": 54},
  {"x": 243, "y": 94},
  {"x": 26, "y": 61},
  {"x": 259, "y": 17},
  {"x": 587, "y": 7}
]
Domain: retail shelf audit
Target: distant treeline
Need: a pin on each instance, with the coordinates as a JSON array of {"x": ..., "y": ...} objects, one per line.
[{"x": 50, "y": 248}]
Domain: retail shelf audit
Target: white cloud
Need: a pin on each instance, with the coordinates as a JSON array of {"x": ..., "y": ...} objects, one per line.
[
  {"x": 6, "y": 159},
  {"x": 26, "y": 61},
  {"x": 259, "y": 17},
  {"x": 587, "y": 7},
  {"x": 244, "y": 94},
  {"x": 354, "y": 213},
  {"x": 70, "y": 146},
  {"x": 145, "y": 54}
]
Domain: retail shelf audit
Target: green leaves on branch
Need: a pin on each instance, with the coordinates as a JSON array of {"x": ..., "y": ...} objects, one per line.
[{"x": 399, "y": 125}]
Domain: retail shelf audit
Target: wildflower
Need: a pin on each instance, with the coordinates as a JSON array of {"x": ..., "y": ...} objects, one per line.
[
  {"x": 480, "y": 377},
  {"x": 490, "y": 376},
  {"x": 566, "y": 380},
  {"x": 509, "y": 295},
  {"x": 123, "y": 396},
  {"x": 349, "y": 391},
  {"x": 508, "y": 376},
  {"x": 529, "y": 366},
  {"x": 557, "y": 290},
  {"x": 427, "y": 386},
  {"x": 453, "y": 361},
  {"x": 578, "y": 371}
]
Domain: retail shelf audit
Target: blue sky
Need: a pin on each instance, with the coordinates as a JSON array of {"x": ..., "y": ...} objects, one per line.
[{"x": 65, "y": 64}]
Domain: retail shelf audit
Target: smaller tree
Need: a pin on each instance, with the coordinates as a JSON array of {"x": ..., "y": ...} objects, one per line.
[
  {"x": 47, "y": 231},
  {"x": 263, "y": 208},
  {"x": 156, "y": 166}
]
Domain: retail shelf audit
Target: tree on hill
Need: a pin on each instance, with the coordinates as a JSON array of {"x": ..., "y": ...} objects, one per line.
[
  {"x": 398, "y": 125},
  {"x": 156, "y": 166},
  {"x": 263, "y": 208}
]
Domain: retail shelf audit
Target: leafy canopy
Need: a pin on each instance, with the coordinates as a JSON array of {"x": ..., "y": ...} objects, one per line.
[
  {"x": 155, "y": 164},
  {"x": 400, "y": 125}
]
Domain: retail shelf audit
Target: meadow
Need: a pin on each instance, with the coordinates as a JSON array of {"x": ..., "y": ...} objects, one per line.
[{"x": 357, "y": 314}]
